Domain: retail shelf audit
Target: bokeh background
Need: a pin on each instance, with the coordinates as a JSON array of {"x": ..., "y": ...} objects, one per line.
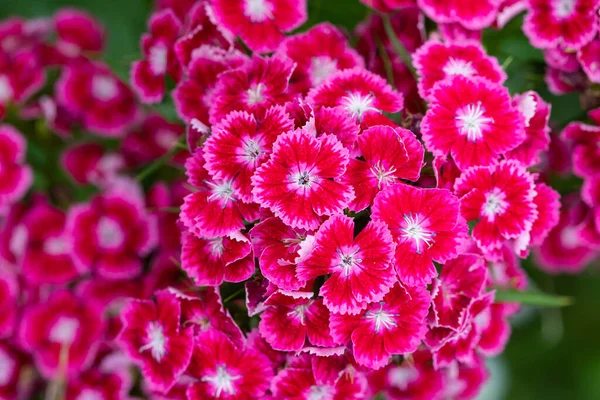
[{"x": 553, "y": 353}]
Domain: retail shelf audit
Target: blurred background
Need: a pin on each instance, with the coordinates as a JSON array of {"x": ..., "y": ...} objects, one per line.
[{"x": 553, "y": 353}]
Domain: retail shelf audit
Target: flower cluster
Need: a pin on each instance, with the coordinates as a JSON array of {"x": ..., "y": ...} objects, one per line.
[{"x": 322, "y": 222}]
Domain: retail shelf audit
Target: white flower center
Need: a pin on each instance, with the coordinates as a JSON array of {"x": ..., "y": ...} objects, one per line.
[
  {"x": 381, "y": 319},
  {"x": 495, "y": 204},
  {"x": 321, "y": 68},
  {"x": 403, "y": 376},
  {"x": 413, "y": 230},
  {"x": 6, "y": 91},
  {"x": 563, "y": 8},
  {"x": 255, "y": 94},
  {"x": 55, "y": 246},
  {"x": 104, "y": 88},
  {"x": 384, "y": 176},
  {"x": 64, "y": 330},
  {"x": 320, "y": 392},
  {"x": 109, "y": 233},
  {"x": 18, "y": 241},
  {"x": 223, "y": 191},
  {"x": 299, "y": 312},
  {"x": 155, "y": 341},
  {"x": 302, "y": 179},
  {"x": 456, "y": 66},
  {"x": 222, "y": 381},
  {"x": 158, "y": 59},
  {"x": 358, "y": 104},
  {"x": 349, "y": 259},
  {"x": 471, "y": 121},
  {"x": 7, "y": 366},
  {"x": 569, "y": 237},
  {"x": 216, "y": 246},
  {"x": 252, "y": 151},
  {"x": 90, "y": 394}
]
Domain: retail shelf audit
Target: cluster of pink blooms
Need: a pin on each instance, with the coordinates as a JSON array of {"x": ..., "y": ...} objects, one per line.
[{"x": 324, "y": 222}]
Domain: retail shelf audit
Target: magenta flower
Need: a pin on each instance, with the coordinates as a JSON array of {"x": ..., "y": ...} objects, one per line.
[
  {"x": 318, "y": 53},
  {"x": 224, "y": 371},
  {"x": 110, "y": 233},
  {"x": 293, "y": 320},
  {"x": 501, "y": 199},
  {"x": 358, "y": 91},
  {"x": 104, "y": 104},
  {"x": 211, "y": 261},
  {"x": 360, "y": 268},
  {"x": 77, "y": 32},
  {"x": 62, "y": 333},
  {"x": 436, "y": 61},
  {"x": 153, "y": 338},
  {"x": 94, "y": 382},
  {"x": 426, "y": 226},
  {"x": 300, "y": 181},
  {"x": 569, "y": 24},
  {"x": 389, "y": 155},
  {"x": 279, "y": 249},
  {"x": 240, "y": 144},
  {"x": 15, "y": 176},
  {"x": 214, "y": 209},
  {"x": 254, "y": 87},
  {"x": 586, "y": 153},
  {"x": 260, "y": 23},
  {"x": 148, "y": 75},
  {"x": 473, "y": 16},
  {"x": 90, "y": 163},
  {"x": 9, "y": 293},
  {"x": 394, "y": 325},
  {"x": 473, "y": 120}
]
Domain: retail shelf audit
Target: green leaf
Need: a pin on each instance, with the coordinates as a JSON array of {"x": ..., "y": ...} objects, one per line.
[{"x": 539, "y": 299}]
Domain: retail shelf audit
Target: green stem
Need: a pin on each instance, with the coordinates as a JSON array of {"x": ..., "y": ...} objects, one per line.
[
  {"x": 533, "y": 298},
  {"x": 397, "y": 45},
  {"x": 159, "y": 162},
  {"x": 233, "y": 295}
]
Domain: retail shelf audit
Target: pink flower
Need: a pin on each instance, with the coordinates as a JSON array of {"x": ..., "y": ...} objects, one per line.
[
  {"x": 561, "y": 59},
  {"x": 96, "y": 384},
  {"x": 470, "y": 15},
  {"x": 90, "y": 163},
  {"x": 589, "y": 60},
  {"x": 152, "y": 139},
  {"x": 15, "y": 176},
  {"x": 360, "y": 268},
  {"x": 9, "y": 293},
  {"x": 211, "y": 261},
  {"x": 61, "y": 333},
  {"x": 254, "y": 87},
  {"x": 279, "y": 248},
  {"x": 47, "y": 257},
  {"x": 15, "y": 365},
  {"x": 436, "y": 61},
  {"x": 462, "y": 280},
  {"x": 426, "y": 226},
  {"x": 240, "y": 144},
  {"x": 395, "y": 325},
  {"x": 223, "y": 371},
  {"x": 148, "y": 75},
  {"x": 110, "y": 233},
  {"x": 473, "y": 120},
  {"x": 569, "y": 24},
  {"x": 260, "y": 23},
  {"x": 320, "y": 378},
  {"x": 318, "y": 53},
  {"x": 105, "y": 105},
  {"x": 214, "y": 209},
  {"x": 293, "y": 320},
  {"x": 21, "y": 76},
  {"x": 537, "y": 131},
  {"x": 153, "y": 338},
  {"x": 300, "y": 181},
  {"x": 194, "y": 94},
  {"x": 77, "y": 32},
  {"x": 501, "y": 199},
  {"x": 585, "y": 153},
  {"x": 358, "y": 91},
  {"x": 389, "y": 155},
  {"x": 547, "y": 202}
]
